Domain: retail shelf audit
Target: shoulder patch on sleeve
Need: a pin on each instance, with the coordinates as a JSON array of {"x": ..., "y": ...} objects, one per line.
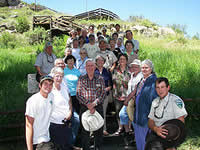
[{"x": 179, "y": 103}]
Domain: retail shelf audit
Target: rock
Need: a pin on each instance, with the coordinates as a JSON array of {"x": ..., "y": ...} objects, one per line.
[
  {"x": 165, "y": 31},
  {"x": 11, "y": 31},
  {"x": 3, "y": 3},
  {"x": 32, "y": 84},
  {"x": 13, "y": 2},
  {"x": 138, "y": 28},
  {"x": 3, "y": 26},
  {"x": 13, "y": 16},
  {"x": 11, "y": 27},
  {"x": 3, "y": 17}
]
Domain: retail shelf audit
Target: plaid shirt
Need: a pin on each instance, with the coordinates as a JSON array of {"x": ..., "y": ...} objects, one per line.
[{"x": 89, "y": 91}]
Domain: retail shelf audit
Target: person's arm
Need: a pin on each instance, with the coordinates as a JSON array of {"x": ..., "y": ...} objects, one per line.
[
  {"x": 29, "y": 132},
  {"x": 79, "y": 92},
  {"x": 39, "y": 71},
  {"x": 70, "y": 109},
  {"x": 160, "y": 131},
  {"x": 113, "y": 67},
  {"x": 182, "y": 118},
  {"x": 128, "y": 98}
]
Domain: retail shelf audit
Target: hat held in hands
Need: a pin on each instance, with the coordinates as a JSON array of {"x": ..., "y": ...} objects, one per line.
[{"x": 92, "y": 122}]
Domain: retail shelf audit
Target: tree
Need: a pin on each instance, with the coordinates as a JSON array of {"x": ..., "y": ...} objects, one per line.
[
  {"x": 178, "y": 28},
  {"x": 196, "y": 36},
  {"x": 22, "y": 25}
]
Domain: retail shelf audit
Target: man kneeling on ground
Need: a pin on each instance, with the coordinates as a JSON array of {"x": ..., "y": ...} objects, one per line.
[{"x": 167, "y": 108}]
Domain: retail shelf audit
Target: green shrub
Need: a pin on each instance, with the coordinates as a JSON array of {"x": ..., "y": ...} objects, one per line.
[
  {"x": 36, "y": 36},
  {"x": 22, "y": 25},
  {"x": 8, "y": 40},
  {"x": 182, "y": 40},
  {"x": 59, "y": 45}
]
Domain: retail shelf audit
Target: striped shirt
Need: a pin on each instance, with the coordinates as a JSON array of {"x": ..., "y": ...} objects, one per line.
[{"x": 89, "y": 91}]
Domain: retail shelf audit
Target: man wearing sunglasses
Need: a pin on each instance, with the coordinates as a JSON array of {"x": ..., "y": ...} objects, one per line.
[
  {"x": 45, "y": 61},
  {"x": 165, "y": 107}
]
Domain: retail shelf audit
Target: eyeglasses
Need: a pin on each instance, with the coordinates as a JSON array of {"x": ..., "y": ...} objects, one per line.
[
  {"x": 82, "y": 53},
  {"x": 50, "y": 60}
]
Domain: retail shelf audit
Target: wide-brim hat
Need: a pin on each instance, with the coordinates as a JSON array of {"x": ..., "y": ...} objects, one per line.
[
  {"x": 176, "y": 133},
  {"x": 92, "y": 122}
]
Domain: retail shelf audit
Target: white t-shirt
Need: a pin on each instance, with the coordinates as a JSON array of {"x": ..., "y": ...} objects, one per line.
[
  {"x": 75, "y": 53},
  {"x": 133, "y": 82},
  {"x": 60, "y": 105},
  {"x": 91, "y": 50},
  {"x": 40, "y": 109}
]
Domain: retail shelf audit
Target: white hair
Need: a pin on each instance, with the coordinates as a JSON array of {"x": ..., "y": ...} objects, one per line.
[
  {"x": 58, "y": 59},
  {"x": 56, "y": 70},
  {"x": 149, "y": 63}
]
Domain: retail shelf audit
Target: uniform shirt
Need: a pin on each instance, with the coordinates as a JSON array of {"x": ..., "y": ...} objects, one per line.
[
  {"x": 109, "y": 56},
  {"x": 171, "y": 107},
  {"x": 45, "y": 62},
  {"x": 40, "y": 109},
  {"x": 89, "y": 91}
]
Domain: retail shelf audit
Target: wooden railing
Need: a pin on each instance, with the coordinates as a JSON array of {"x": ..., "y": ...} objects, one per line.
[
  {"x": 62, "y": 23},
  {"x": 96, "y": 13},
  {"x": 9, "y": 124}
]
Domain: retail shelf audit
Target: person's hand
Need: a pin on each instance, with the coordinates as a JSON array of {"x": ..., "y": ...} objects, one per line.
[
  {"x": 69, "y": 116},
  {"x": 91, "y": 105},
  {"x": 126, "y": 102},
  {"x": 107, "y": 89},
  {"x": 160, "y": 131},
  {"x": 92, "y": 111}
]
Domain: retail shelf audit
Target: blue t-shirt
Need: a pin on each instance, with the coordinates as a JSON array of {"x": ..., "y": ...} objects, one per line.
[{"x": 71, "y": 76}]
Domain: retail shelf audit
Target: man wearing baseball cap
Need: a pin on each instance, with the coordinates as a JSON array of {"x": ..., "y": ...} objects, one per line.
[{"x": 38, "y": 111}]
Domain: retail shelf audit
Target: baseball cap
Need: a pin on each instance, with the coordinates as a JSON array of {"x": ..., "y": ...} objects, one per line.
[{"x": 46, "y": 77}]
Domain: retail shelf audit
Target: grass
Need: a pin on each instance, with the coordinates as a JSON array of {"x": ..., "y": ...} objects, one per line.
[
  {"x": 179, "y": 63},
  {"x": 173, "y": 56}
]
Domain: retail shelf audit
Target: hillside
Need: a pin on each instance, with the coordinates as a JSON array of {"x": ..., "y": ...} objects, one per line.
[{"x": 174, "y": 56}]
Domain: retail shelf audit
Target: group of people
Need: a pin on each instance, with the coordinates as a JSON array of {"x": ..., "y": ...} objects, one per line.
[{"x": 98, "y": 69}]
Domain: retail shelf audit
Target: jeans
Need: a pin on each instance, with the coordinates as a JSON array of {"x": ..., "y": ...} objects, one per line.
[{"x": 75, "y": 126}]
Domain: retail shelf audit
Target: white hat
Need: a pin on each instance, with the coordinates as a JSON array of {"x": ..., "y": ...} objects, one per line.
[
  {"x": 136, "y": 62},
  {"x": 92, "y": 122}
]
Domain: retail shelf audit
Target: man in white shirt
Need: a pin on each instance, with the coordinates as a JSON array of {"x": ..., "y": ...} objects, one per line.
[
  {"x": 91, "y": 47},
  {"x": 165, "y": 107},
  {"x": 38, "y": 111},
  {"x": 108, "y": 55}
]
